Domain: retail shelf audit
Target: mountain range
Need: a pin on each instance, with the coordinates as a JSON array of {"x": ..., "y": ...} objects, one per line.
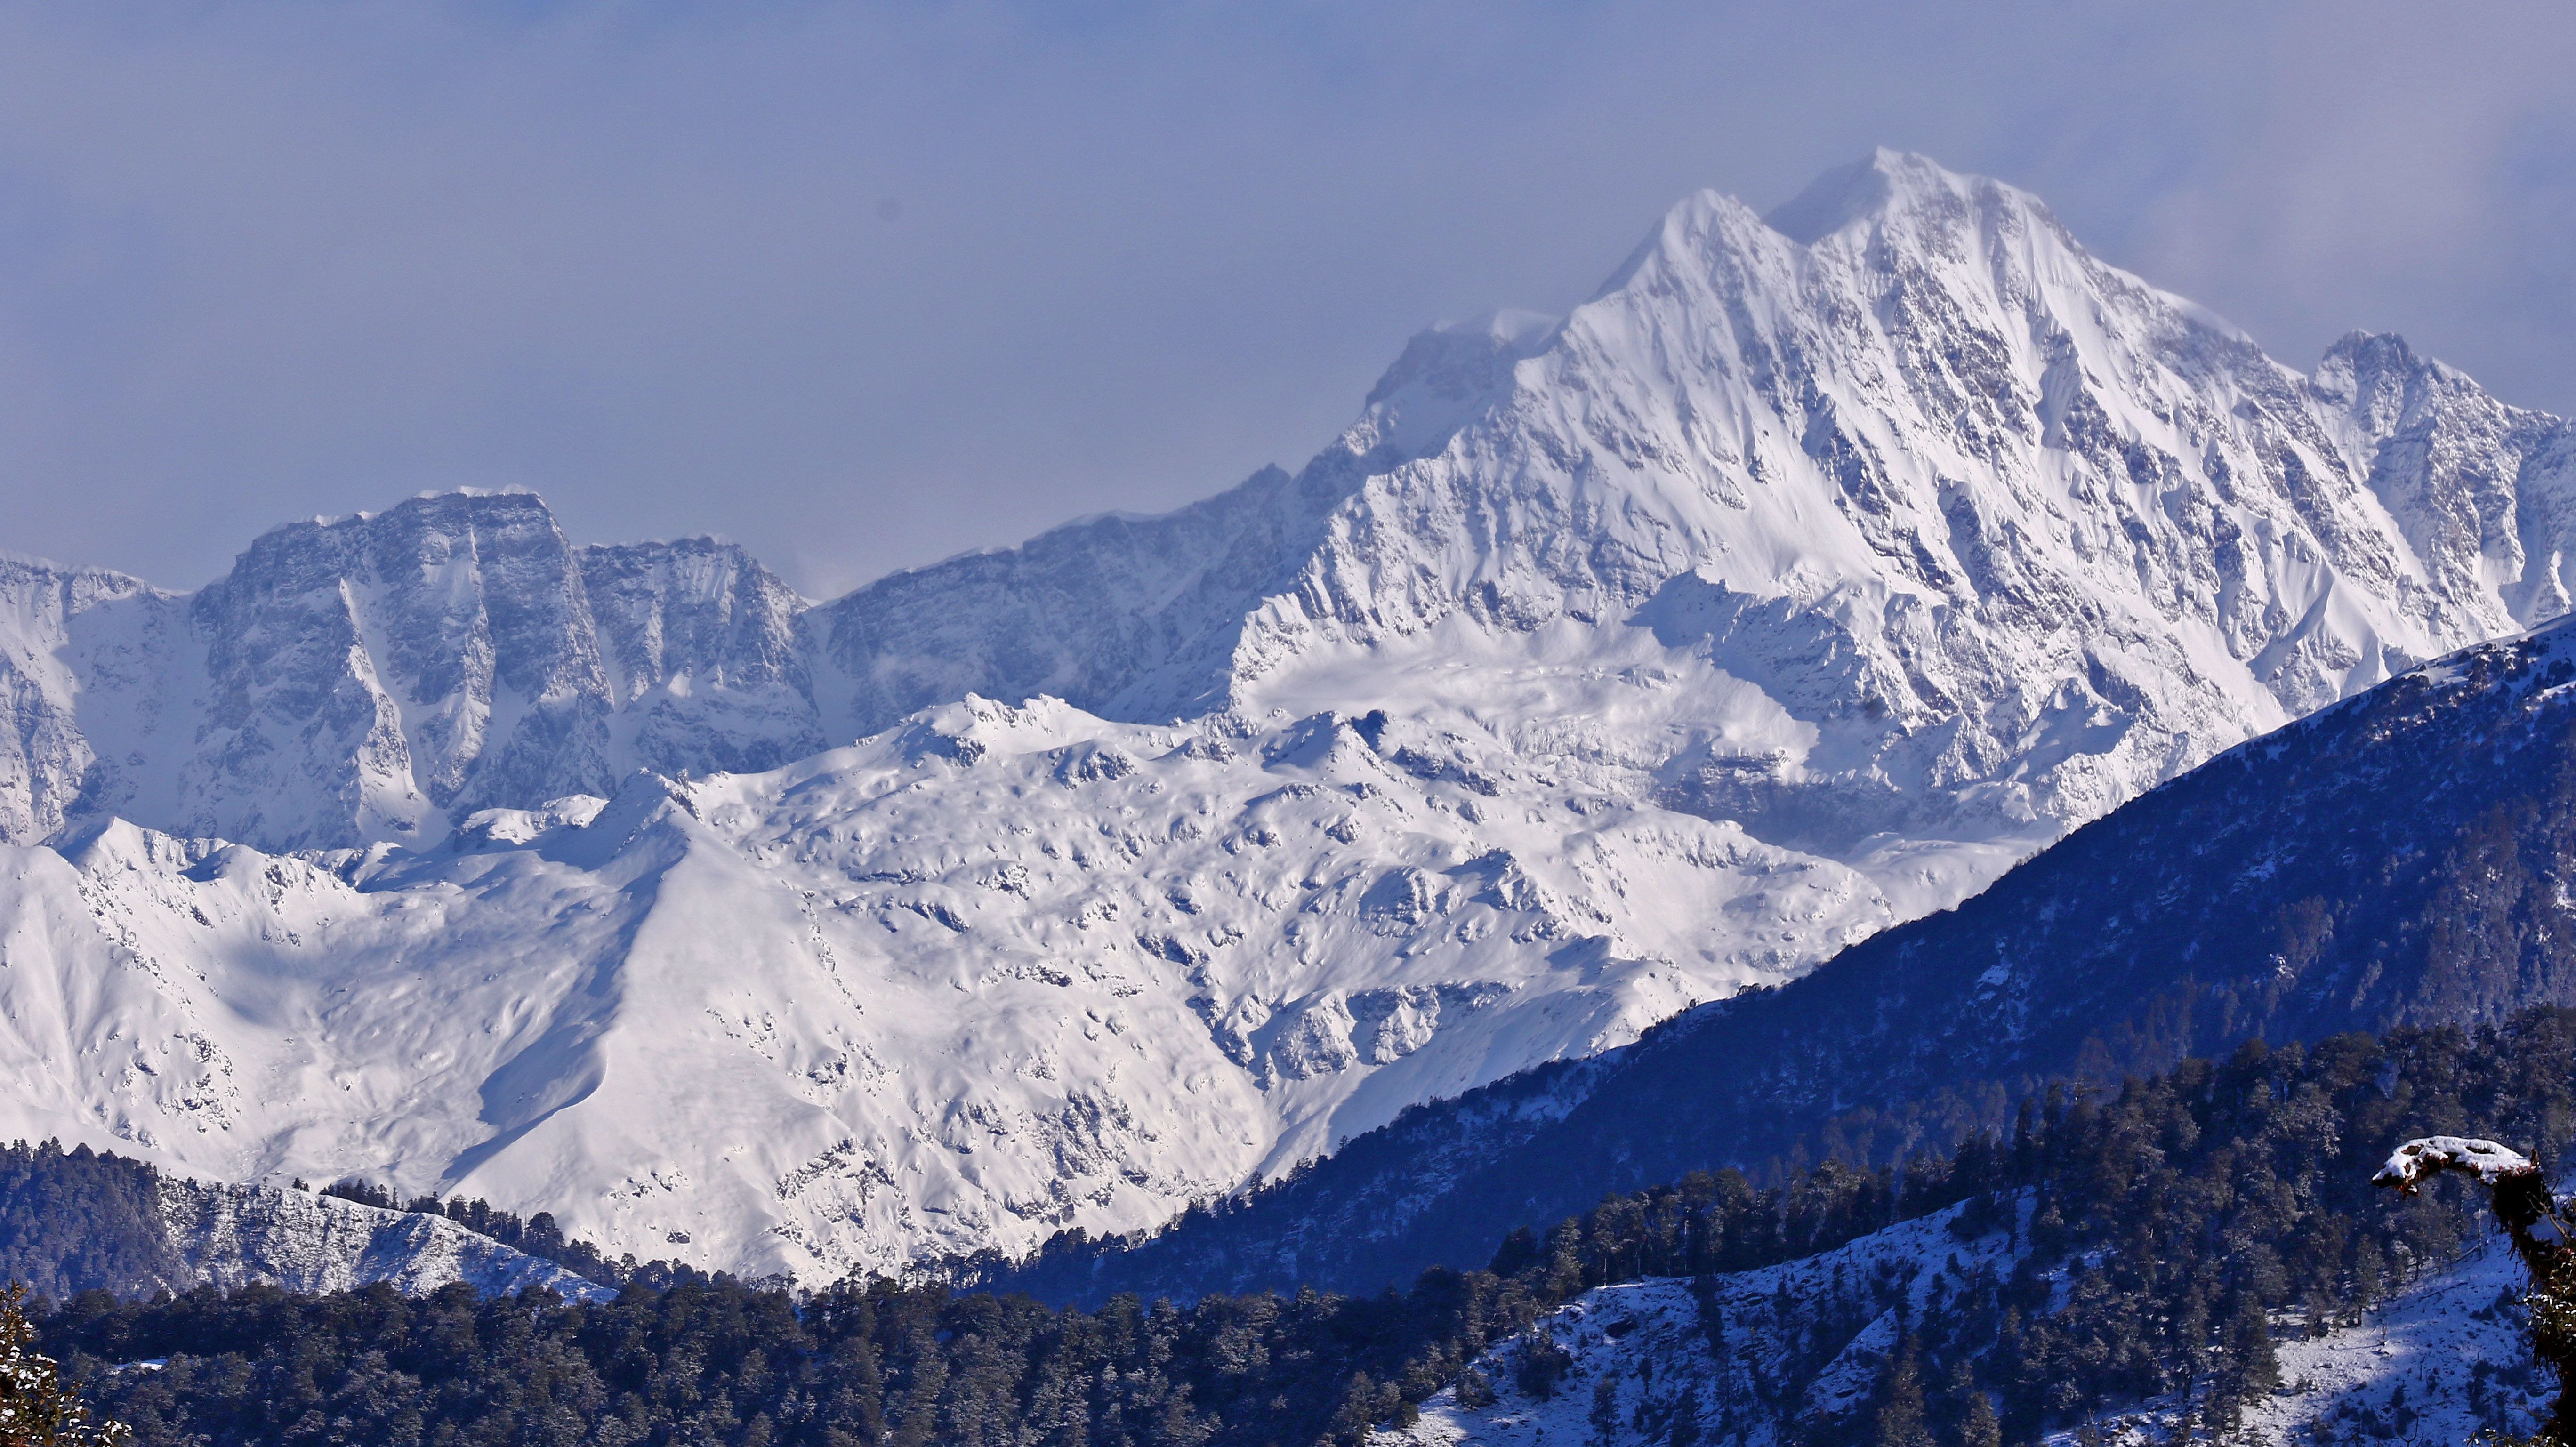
[
  {"x": 1816, "y": 571},
  {"x": 2402, "y": 859}
]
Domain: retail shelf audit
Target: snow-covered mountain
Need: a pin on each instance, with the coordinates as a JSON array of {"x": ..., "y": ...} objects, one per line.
[
  {"x": 1811, "y": 574},
  {"x": 2397, "y": 859},
  {"x": 375, "y": 677}
]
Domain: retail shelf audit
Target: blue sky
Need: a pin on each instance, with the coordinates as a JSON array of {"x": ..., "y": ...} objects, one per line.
[{"x": 864, "y": 285}]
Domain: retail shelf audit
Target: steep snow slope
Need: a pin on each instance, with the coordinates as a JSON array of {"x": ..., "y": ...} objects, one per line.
[
  {"x": 1800, "y": 582},
  {"x": 2400, "y": 858}
]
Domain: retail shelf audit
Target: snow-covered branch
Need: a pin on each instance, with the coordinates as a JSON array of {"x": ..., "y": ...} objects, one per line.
[
  {"x": 2431, "y": 1155},
  {"x": 2539, "y": 1228}
]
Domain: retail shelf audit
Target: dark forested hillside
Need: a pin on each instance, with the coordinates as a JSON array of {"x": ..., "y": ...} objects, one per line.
[
  {"x": 2211, "y": 1205},
  {"x": 2403, "y": 858},
  {"x": 2172, "y": 1229},
  {"x": 79, "y": 1220},
  {"x": 702, "y": 1360}
]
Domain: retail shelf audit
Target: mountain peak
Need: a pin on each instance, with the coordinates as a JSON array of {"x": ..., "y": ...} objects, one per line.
[
  {"x": 1882, "y": 183},
  {"x": 1834, "y": 200},
  {"x": 1444, "y": 377}
]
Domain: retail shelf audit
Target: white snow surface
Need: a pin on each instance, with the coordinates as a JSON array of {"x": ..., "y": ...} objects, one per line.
[
  {"x": 234, "y": 1235},
  {"x": 1800, "y": 582},
  {"x": 2410, "y": 1163}
]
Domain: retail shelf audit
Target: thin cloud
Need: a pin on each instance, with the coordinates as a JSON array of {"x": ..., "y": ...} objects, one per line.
[{"x": 865, "y": 285}]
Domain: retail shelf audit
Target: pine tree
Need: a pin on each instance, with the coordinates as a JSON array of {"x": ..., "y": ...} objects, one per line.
[
  {"x": 1900, "y": 1404},
  {"x": 36, "y": 1409},
  {"x": 1685, "y": 1430},
  {"x": 2369, "y": 1273},
  {"x": 1978, "y": 1427},
  {"x": 2249, "y": 1345},
  {"x": 1543, "y": 1364},
  {"x": 1605, "y": 1410}
]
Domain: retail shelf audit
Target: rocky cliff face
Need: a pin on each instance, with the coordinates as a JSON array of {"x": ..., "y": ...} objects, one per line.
[
  {"x": 368, "y": 675},
  {"x": 71, "y": 637},
  {"x": 1810, "y": 575},
  {"x": 374, "y": 678},
  {"x": 705, "y": 660}
]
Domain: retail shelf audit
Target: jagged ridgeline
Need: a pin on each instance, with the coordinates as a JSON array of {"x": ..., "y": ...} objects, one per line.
[
  {"x": 2404, "y": 857},
  {"x": 2105, "y": 1250},
  {"x": 1812, "y": 572}
]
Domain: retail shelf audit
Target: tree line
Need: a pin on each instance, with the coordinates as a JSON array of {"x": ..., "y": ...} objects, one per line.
[
  {"x": 2166, "y": 1232},
  {"x": 537, "y": 1235}
]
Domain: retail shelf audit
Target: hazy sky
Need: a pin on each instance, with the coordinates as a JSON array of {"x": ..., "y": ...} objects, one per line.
[{"x": 863, "y": 285}]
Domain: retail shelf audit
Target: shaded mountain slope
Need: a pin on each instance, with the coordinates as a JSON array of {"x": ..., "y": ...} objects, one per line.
[{"x": 2403, "y": 858}]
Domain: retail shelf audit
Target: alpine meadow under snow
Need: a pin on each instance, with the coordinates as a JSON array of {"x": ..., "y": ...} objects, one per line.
[{"x": 1817, "y": 570}]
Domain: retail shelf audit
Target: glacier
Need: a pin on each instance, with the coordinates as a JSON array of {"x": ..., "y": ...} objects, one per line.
[{"x": 1816, "y": 570}]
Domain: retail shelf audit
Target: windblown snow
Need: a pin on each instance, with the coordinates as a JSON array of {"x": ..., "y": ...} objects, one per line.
[{"x": 1808, "y": 576}]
